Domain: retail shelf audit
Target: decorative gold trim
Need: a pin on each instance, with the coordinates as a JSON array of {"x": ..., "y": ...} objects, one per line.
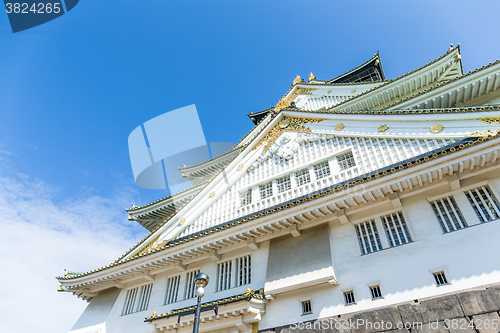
[
  {"x": 284, "y": 123},
  {"x": 296, "y": 80},
  {"x": 282, "y": 104},
  {"x": 339, "y": 127},
  {"x": 212, "y": 194},
  {"x": 295, "y": 125},
  {"x": 353, "y": 91},
  {"x": 311, "y": 76},
  {"x": 485, "y": 133},
  {"x": 329, "y": 91},
  {"x": 241, "y": 166},
  {"x": 383, "y": 128},
  {"x": 490, "y": 121},
  {"x": 182, "y": 221},
  {"x": 436, "y": 128}
]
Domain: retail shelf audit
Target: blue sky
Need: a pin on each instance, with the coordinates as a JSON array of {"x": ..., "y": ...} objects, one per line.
[{"x": 72, "y": 90}]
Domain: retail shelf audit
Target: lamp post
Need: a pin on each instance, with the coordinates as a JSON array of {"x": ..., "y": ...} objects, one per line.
[{"x": 201, "y": 281}]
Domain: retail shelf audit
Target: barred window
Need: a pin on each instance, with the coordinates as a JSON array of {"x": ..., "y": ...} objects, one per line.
[
  {"x": 302, "y": 177},
  {"x": 349, "y": 297},
  {"x": 224, "y": 275},
  {"x": 376, "y": 292},
  {"x": 396, "y": 229},
  {"x": 448, "y": 214},
  {"x": 306, "y": 307},
  {"x": 190, "y": 286},
  {"x": 283, "y": 184},
  {"x": 134, "y": 303},
  {"x": 484, "y": 203},
  {"x": 369, "y": 240},
  {"x": 440, "y": 278},
  {"x": 144, "y": 297},
  {"x": 322, "y": 170},
  {"x": 172, "y": 289},
  {"x": 346, "y": 160},
  {"x": 246, "y": 197},
  {"x": 243, "y": 270},
  {"x": 266, "y": 190}
]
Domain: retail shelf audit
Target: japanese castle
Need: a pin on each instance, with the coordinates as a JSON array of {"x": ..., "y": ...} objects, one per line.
[{"x": 357, "y": 199}]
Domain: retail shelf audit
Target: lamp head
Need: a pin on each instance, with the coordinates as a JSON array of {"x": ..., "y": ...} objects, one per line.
[{"x": 201, "y": 280}]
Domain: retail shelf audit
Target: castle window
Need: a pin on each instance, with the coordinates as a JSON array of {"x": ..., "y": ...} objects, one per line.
[
  {"x": 346, "y": 161},
  {"x": 440, "y": 278},
  {"x": 283, "y": 184},
  {"x": 266, "y": 190},
  {"x": 190, "y": 286},
  {"x": 306, "y": 307},
  {"x": 484, "y": 203},
  {"x": 349, "y": 297},
  {"x": 396, "y": 229},
  {"x": 448, "y": 214},
  {"x": 134, "y": 303},
  {"x": 172, "y": 289},
  {"x": 246, "y": 197},
  {"x": 224, "y": 275},
  {"x": 303, "y": 177},
  {"x": 243, "y": 270},
  {"x": 369, "y": 240},
  {"x": 322, "y": 170},
  {"x": 376, "y": 292}
]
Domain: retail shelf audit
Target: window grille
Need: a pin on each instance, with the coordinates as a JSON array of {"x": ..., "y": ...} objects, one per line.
[
  {"x": 440, "y": 278},
  {"x": 376, "y": 292},
  {"x": 128, "y": 307},
  {"x": 484, "y": 203},
  {"x": 448, "y": 214},
  {"x": 346, "y": 161},
  {"x": 131, "y": 306},
  {"x": 368, "y": 237},
  {"x": 306, "y": 307},
  {"x": 322, "y": 170},
  {"x": 266, "y": 190},
  {"x": 283, "y": 184},
  {"x": 144, "y": 297},
  {"x": 349, "y": 297},
  {"x": 303, "y": 177},
  {"x": 224, "y": 275},
  {"x": 243, "y": 270},
  {"x": 172, "y": 289},
  {"x": 396, "y": 229},
  {"x": 190, "y": 286},
  {"x": 246, "y": 197}
]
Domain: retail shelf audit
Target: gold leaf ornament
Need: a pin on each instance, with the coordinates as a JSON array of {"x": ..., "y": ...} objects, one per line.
[{"x": 436, "y": 128}]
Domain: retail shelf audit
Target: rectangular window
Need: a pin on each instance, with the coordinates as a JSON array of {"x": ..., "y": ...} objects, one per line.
[
  {"x": 172, "y": 289},
  {"x": 484, "y": 203},
  {"x": 246, "y": 197},
  {"x": 283, "y": 184},
  {"x": 396, "y": 229},
  {"x": 144, "y": 297},
  {"x": 266, "y": 190},
  {"x": 306, "y": 307},
  {"x": 448, "y": 214},
  {"x": 346, "y": 161},
  {"x": 243, "y": 270},
  {"x": 224, "y": 275},
  {"x": 349, "y": 297},
  {"x": 369, "y": 240},
  {"x": 440, "y": 278},
  {"x": 190, "y": 286},
  {"x": 376, "y": 292},
  {"x": 303, "y": 177},
  {"x": 128, "y": 307},
  {"x": 322, "y": 170},
  {"x": 133, "y": 303}
]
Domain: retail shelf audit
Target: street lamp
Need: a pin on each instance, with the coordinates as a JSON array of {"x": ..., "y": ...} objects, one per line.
[{"x": 201, "y": 281}]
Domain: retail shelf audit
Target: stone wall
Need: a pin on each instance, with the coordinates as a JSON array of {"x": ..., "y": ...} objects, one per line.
[{"x": 474, "y": 311}]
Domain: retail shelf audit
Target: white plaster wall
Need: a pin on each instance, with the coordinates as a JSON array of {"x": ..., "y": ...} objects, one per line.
[{"x": 403, "y": 271}]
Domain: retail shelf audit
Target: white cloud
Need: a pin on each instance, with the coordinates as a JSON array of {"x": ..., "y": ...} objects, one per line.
[{"x": 39, "y": 237}]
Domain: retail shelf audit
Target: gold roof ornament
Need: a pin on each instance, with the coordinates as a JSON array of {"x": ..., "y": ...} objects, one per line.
[
  {"x": 296, "y": 80},
  {"x": 485, "y": 133},
  {"x": 311, "y": 76},
  {"x": 282, "y": 104},
  {"x": 377, "y": 62},
  {"x": 241, "y": 166},
  {"x": 436, "y": 128},
  {"x": 490, "y": 121},
  {"x": 451, "y": 47},
  {"x": 212, "y": 194},
  {"x": 383, "y": 128},
  {"x": 339, "y": 127},
  {"x": 182, "y": 221}
]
